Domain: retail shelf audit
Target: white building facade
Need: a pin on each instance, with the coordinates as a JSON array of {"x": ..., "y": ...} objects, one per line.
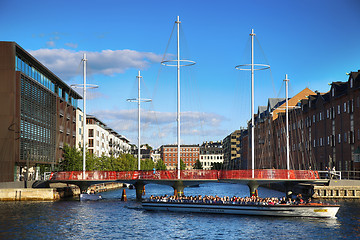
[
  {"x": 101, "y": 140},
  {"x": 208, "y": 160}
]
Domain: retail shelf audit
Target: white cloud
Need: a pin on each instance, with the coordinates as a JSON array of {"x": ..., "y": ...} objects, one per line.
[
  {"x": 65, "y": 63},
  {"x": 50, "y": 44},
  {"x": 71, "y": 45},
  {"x": 161, "y": 126}
]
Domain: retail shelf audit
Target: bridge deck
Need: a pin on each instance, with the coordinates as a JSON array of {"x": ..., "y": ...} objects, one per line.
[{"x": 193, "y": 175}]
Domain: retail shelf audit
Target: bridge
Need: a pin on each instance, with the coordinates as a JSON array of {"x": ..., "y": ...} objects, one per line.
[{"x": 252, "y": 178}]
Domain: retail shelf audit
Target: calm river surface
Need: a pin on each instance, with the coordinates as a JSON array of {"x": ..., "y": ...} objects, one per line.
[{"x": 112, "y": 219}]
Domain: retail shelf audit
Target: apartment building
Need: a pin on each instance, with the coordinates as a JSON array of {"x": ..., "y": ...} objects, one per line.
[
  {"x": 101, "y": 140},
  {"x": 231, "y": 150},
  {"x": 324, "y": 130},
  {"x": 211, "y": 153},
  {"x": 268, "y": 141}
]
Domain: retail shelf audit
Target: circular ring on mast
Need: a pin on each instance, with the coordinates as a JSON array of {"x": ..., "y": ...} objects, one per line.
[
  {"x": 91, "y": 86},
  {"x": 189, "y": 63},
  {"x": 259, "y": 67},
  {"x": 137, "y": 100}
]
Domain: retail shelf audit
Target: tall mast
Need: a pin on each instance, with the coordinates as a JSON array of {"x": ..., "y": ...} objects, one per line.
[
  {"x": 287, "y": 123},
  {"x": 139, "y": 77},
  {"x": 252, "y": 105},
  {"x": 179, "y": 63},
  {"x": 253, "y": 67},
  {"x": 178, "y": 95},
  {"x": 139, "y": 100},
  {"x": 84, "y": 117}
]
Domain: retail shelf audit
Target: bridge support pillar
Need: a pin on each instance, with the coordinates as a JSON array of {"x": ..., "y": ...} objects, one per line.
[
  {"x": 140, "y": 190},
  {"x": 83, "y": 187},
  {"x": 253, "y": 186},
  {"x": 178, "y": 188}
]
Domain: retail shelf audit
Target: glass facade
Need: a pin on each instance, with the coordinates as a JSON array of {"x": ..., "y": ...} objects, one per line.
[
  {"x": 37, "y": 123},
  {"x": 32, "y": 72}
]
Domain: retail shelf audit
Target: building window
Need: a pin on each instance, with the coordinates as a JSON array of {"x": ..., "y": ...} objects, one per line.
[
  {"x": 91, "y": 142},
  {"x": 339, "y": 135},
  {"x": 91, "y": 132},
  {"x": 344, "y": 106},
  {"x": 351, "y": 82},
  {"x": 339, "y": 110}
]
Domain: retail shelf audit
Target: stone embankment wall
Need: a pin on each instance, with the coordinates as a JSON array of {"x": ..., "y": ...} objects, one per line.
[
  {"x": 338, "y": 189},
  {"x": 29, "y": 194},
  {"x": 56, "y": 192}
]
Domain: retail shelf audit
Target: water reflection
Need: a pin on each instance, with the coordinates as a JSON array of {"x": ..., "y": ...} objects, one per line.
[{"x": 113, "y": 219}]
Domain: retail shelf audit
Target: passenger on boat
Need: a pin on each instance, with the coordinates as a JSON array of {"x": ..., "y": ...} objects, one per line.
[
  {"x": 220, "y": 200},
  {"x": 299, "y": 199}
]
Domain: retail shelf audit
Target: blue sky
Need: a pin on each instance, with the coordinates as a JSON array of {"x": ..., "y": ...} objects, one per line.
[{"x": 314, "y": 42}]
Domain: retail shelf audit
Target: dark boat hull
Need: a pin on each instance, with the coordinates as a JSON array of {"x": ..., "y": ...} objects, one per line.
[{"x": 312, "y": 210}]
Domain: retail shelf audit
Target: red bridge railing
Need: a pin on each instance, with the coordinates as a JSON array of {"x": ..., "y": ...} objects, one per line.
[
  {"x": 269, "y": 174},
  {"x": 185, "y": 175}
]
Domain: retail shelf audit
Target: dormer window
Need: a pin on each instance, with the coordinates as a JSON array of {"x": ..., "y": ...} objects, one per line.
[
  {"x": 333, "y": 92},
  {"x": 351, "y": 82}
]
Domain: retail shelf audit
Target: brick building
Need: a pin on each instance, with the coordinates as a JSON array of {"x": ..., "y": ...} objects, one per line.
[
  {"x": 188, "y": 153},
  {"x": 269, "y": 142},
  {"x": 324, "y": 130}
]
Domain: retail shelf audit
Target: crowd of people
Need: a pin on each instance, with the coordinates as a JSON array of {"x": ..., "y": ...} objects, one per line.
[{"x": 228, "y": 200}]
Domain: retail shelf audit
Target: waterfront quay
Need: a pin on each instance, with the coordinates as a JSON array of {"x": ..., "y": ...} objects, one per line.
[
  {"x": 55, "y": 192},
  {"x": 338, "y": 189}
]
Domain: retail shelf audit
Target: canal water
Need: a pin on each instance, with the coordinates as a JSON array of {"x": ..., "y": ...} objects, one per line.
[{"x": 112, "y": 219}]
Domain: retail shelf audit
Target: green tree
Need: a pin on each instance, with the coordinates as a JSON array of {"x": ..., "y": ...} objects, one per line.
[
  {"x": 127, "y": 162},
  {"x": 198, "y": 165},
  {"x": 72, "y": 159},
  {"x": 182, "y": 165},
  {"x": 92, "y": 162},
  {"x": 147, "y": 164},
  {"x": 160, "y": 165}
]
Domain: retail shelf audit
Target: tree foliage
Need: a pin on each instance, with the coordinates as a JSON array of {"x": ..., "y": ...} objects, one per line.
[
  {"x": 147, "y": 164},
  {"x": 217, "y": 166},
  {"x": 72, "y": 161},
  {"x": 182, "y": 165},
  {"x": 198, "y": 165},
  {"x": 160, "y": 165}
]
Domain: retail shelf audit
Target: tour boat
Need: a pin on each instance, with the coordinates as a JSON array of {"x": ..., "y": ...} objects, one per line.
[
  {"x": 316, "y": 210},
  {"x": 89, "y": 197}
]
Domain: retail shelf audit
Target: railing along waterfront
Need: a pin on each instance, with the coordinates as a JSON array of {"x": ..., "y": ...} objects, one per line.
[
  {"x": 340, "y": 175},
  {"x": 186, "y": 175},
  {"x": 269, "y": 174}
]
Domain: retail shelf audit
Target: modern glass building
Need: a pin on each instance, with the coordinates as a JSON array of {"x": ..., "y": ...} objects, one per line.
[{"x": 38, "y": 114}]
